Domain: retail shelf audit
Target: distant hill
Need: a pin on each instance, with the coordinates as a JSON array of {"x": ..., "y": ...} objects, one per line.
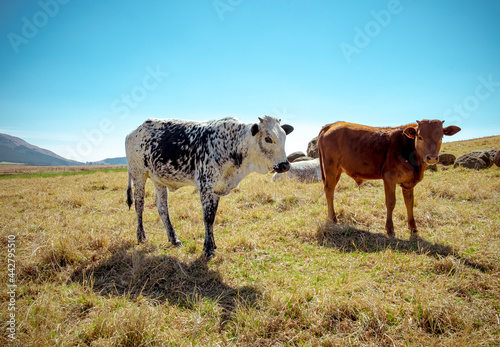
[
  {"x": 15, "y": 150},
  {"x": 110, "y": 161},
  {"x": 459, "y": 148}
]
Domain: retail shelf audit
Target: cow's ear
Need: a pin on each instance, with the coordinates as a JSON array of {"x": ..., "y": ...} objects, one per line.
[
  {"x": 411, "y": 132},
  {"x": 255, "y": 129},
  {"x": 451, "y": 130},
  {"x": 288, "y": 128}
]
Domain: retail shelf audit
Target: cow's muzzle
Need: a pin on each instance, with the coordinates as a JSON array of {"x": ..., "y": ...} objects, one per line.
[
  {"x": 282, "y": 167},
  {"x": 431, "y": 159}
]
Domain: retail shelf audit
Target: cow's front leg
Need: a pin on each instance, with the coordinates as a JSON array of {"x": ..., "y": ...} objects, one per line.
[
  {"x": 408, "y": 197},
  {"x": 209, "y": 202},
  {"x": 390, "y": 203}
]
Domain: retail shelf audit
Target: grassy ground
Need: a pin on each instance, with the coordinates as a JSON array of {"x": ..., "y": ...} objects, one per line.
[{"x": 281, "y": 276}]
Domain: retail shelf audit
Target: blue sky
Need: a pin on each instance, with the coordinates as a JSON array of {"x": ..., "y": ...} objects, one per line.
[{"x": 77, "y": 76}]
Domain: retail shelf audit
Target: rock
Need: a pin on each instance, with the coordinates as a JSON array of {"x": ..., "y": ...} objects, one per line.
[
  {"x": 304, "y": 158},
  {"x": 291, "y": 157},
  {"x": 432, "y": 167},
  {"x": 496, "y": 158},
  {"x": 491, "y": 152},
  {"x": 312, "y": 148},
  {"x": 475, "y": 160},
  {"x": 446, "y": 159}
]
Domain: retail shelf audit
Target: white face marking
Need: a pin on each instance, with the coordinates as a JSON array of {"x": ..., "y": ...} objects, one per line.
[{"x": 271, "y": 141}]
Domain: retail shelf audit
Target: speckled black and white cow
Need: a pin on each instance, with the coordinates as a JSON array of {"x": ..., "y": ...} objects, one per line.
[{"x": 213, "y": 156}]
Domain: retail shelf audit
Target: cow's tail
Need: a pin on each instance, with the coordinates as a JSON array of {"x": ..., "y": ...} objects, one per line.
[
  {"x": 320, "y": 154},
  {"x": 129, "y": 191}
]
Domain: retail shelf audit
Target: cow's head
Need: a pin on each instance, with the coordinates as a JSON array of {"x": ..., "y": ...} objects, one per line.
[
  {"x": 428, "y": 135},
  {"x": 270, "y": 139}
]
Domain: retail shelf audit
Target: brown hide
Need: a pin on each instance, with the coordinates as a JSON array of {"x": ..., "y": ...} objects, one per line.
[{"x": 397, "y": 155}]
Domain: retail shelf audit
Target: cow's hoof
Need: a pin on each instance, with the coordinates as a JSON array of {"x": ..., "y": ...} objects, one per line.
[
  {"x": 414, "y": 236},
  {"x": 330, "y": 222},
  {"x": 391, "y": 234},
  {"x": 209, "y": 254},
  {"x": 177, "y": 243}
]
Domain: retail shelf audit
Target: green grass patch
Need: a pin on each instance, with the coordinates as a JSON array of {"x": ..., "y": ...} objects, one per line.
[{"x": 45, "y": 174}]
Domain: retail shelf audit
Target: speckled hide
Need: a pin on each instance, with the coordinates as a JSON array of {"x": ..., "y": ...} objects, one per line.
[
  {"x": 214, "y": 156},
  {"x": 304, "y": 171}
]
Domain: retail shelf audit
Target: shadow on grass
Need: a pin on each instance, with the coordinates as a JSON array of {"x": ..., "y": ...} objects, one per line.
[
  {"x": 347, "y": 238},
  {"x": 134, "y": 272}
]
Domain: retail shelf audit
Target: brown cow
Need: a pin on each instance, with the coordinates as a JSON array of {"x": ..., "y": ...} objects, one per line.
[{"x": 396, "y": 155}]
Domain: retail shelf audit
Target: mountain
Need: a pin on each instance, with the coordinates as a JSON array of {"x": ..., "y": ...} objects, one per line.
[
  {"x": 110, "y": 161},
  {"x": 15, "y": 150}
]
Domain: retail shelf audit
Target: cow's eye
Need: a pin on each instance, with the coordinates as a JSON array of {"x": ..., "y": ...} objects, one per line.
[
  {"x": 420, "y": 138},
  {"x": 269, "y": 140}
]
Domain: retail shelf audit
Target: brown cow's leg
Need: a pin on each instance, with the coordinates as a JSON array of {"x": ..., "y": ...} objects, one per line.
[
  {"x": 408, "y": 196},
  {"x": 331, "y": 180},
  {"x": 390, "y": 203}
]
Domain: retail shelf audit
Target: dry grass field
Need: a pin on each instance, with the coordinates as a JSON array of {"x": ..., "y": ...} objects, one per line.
[{"x": 280, "y": 277}]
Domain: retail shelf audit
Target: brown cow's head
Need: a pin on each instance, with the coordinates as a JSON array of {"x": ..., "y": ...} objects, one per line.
[{"x": 428, "y": 135}]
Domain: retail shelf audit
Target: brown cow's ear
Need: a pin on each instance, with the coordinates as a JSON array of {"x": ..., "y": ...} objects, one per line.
[
  {"x": 255, "y": 129},
  {"x": 451, "y": 130},
  {"x": 411, "y": 132},
  {"x": 288, "y": 128}
]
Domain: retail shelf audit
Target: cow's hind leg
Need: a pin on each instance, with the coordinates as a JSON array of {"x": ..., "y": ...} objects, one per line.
[
  {"x": 331, "y": 179},
  {"x": 390, "y": 203},
  {"x": 162, "y": 205},
  {"x": 209, "y": 202},
  {"x": 139, "y": 193}
]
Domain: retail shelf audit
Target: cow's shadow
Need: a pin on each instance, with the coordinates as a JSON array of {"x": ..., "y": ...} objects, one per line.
[
  {"x": 347, "y": 238},
  {"x": 132, "y": 272}
]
